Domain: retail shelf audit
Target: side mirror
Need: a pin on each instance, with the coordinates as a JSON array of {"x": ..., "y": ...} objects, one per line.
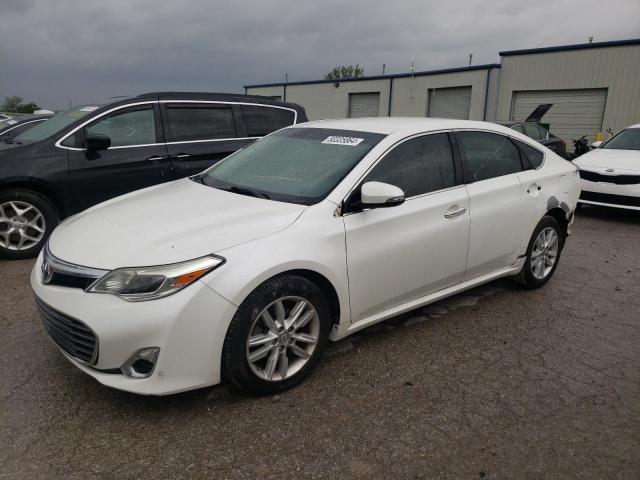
[
  {"x": 97, "y": 142},
  {"x": 380, "y": 195},
  {"x": 596, "y": 144}
]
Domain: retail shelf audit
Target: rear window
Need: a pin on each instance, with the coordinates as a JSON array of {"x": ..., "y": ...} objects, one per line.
[
  {"x": 262, "y": 121},
  {"x": 190, "y": 122}
]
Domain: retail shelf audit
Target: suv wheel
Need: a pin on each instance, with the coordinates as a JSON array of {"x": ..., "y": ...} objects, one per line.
[
  {"x": 26, "y": 221},
  {"x": 277, "y": 335}
]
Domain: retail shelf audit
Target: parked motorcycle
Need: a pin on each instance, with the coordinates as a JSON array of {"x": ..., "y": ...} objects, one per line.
[{"x": 580, "y": 147}]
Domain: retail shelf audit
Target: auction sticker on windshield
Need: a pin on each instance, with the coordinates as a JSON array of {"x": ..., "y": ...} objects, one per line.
[{"x": 335, "y": 140}]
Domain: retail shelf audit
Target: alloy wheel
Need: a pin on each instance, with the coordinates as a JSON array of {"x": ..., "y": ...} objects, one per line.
[
  {"x": 544, "y": 253},
  {"x": 282, "y": 338},
  {"x": 22, "y": 225}
]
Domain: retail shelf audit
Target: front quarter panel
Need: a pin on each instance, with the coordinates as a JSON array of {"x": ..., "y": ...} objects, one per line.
[{"x": 315, "y": 242}]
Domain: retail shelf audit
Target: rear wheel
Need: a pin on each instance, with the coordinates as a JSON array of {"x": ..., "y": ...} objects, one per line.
[
  {"x": 26, "y": 221},
  {"x": 277, "y": 335},
  {"x": 543, "y": 253}
]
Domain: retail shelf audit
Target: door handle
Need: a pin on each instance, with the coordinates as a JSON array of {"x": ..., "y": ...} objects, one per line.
[
  {"x": 155, "y": 158},
  {"x": 454, "y": 213},
  {"x": 183, "y": 155}
]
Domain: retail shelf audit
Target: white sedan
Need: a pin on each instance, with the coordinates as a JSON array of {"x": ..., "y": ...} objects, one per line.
[
  {"x": 248, "y": 269},
  {"x": 610, "y": 174}
]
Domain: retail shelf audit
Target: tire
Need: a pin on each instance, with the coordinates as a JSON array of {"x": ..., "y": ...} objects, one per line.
[
  {"x": 261, "y": 376},
  {"x": 531, "y": 276},
  {"x": 26, "y": 221}
]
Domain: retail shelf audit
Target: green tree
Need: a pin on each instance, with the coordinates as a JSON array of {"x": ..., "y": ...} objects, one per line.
[
  {"x": 345, "y": 71},
  {"x": 27, "y": 107},
  {"x": 11, "y": 103}
]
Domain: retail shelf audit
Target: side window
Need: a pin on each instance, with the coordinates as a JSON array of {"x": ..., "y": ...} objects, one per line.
[
  {"x": 531, "y": 157},
  {"x": 488, "y": 155},
  {"x": 262, "y": 121},
  {"x": 518, "y": 128},
  {"x": 532, "y": 131},
  {"x": 200, "y": 122},
  {"x": 420, "y": 165},
  {"x": 126, "y": 127}
]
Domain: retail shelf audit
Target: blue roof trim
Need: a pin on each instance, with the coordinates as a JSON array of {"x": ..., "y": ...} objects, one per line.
[
  {"x": 579, "y": 46},
  {"x": 382, "y": 77}
]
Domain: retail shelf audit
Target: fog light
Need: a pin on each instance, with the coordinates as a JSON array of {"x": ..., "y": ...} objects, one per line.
[{"x": 141, "y": 363}]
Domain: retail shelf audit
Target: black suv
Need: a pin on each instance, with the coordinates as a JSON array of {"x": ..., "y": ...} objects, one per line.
[{"x": 79, "y": 158}]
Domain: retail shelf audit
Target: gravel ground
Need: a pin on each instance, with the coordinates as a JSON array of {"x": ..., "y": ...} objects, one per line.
[{"x": 494, "y": 383}]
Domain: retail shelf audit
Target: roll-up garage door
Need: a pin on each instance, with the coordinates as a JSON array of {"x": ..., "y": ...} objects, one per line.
[
  {"x": 449, "y": 103},
  {"x": 364, "y": 105},
  {"x": 574, "y": 113}
]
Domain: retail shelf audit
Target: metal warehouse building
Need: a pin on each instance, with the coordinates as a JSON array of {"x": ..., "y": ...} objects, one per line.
[{"x": 594, "y": 87}]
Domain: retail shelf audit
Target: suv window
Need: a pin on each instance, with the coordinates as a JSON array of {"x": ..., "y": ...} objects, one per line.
[
  {"x": 126, "y": 127},
  {"x": 531, "y": 157},
  {"x": 532, "y": 131},
  {"x": 262, "y": 121},
  {"x": 200, "y": 122},
  {"x": 488, "y": 155},
  {"x": 518, "y": 128},
  {"x": 417, "y": 166}
]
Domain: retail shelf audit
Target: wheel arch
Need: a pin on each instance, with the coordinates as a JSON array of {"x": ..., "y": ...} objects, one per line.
[
  {"x": 560, "y": 215},
  {"x": 43, "y": 189}
]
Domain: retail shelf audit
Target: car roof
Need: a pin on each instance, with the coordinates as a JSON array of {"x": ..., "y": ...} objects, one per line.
[
  {"x": 401, "y": 125},
  {"x": 220, "y": 97}
]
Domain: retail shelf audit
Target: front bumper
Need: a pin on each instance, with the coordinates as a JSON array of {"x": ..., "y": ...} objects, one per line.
[
  {"x": 189, "y": 328},
  {"x": 610, "y": 194}
]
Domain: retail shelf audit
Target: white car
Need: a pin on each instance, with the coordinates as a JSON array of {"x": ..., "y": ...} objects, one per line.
[
  {"x": 246, "y": 270},
  {"x": 610, "y": 174}
]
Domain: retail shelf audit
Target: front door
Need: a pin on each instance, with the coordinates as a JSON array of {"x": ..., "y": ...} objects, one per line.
[
  {"x": 399, "y": 254},
  {"x": 137, "y": 157}
]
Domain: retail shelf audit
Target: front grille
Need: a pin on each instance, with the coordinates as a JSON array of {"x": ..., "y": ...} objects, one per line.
[
  {"x": 64, "y": 274},
  {"x": 615, "y": 179},
  {"x": 70, "y": 281},
  {"x": 622, "y": 200},
  {"x": 71, "y": 335}
]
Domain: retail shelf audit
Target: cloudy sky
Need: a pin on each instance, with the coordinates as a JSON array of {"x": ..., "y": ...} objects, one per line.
[{"x": 87, "y": 51}]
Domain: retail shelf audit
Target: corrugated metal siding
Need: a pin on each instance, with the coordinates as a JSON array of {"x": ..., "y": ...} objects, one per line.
[
  {"x": 574, "y": 113},
  {"x": 449, "y": 103},
  {"x": 364, "y": 104},
  {"x": 615, "y": 68}
]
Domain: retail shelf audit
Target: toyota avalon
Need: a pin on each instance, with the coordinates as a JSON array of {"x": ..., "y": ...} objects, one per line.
[{"x": 245, "y": 271}]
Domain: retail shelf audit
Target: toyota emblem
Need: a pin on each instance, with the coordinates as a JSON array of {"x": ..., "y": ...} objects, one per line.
[{"x": 47, "y": 273}]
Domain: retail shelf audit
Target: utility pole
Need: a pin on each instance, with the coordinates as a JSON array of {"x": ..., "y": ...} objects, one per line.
[
  {"x": 384, "y": 67},
  {"x": 470, "y": 58}
]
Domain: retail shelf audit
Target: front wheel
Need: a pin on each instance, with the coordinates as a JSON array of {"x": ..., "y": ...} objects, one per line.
[
  {"x": 543, "y": 253},
  {"x": 26, "y": 221},
  {"x": 277, "y": 335}
]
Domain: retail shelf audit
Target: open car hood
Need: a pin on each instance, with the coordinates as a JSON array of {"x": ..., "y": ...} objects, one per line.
[{"x": 538, "y": 113}]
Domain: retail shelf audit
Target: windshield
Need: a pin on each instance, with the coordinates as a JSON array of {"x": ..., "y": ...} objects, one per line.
[
  {"x": 52, "y": 125},
  {"x": 627, "y": 139},
  {"x": 298, "y": 165}
]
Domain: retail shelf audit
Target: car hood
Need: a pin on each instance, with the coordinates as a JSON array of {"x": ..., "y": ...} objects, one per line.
[
  {"x": 167, "y": 223},
  {"x": 622, "y": 161}
]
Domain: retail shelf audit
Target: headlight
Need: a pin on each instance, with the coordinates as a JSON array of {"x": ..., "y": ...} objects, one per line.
[{"x": 148, "y": 283}]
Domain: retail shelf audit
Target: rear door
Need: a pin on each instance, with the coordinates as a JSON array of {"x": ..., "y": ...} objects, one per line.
[
  {"x": 199, "y": 134},
  {"x": 497, "y": 202},
  {"x": 136, "y": 159}
]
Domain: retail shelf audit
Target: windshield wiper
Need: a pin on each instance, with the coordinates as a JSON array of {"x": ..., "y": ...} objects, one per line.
[{"x": 245, "y": 191}]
